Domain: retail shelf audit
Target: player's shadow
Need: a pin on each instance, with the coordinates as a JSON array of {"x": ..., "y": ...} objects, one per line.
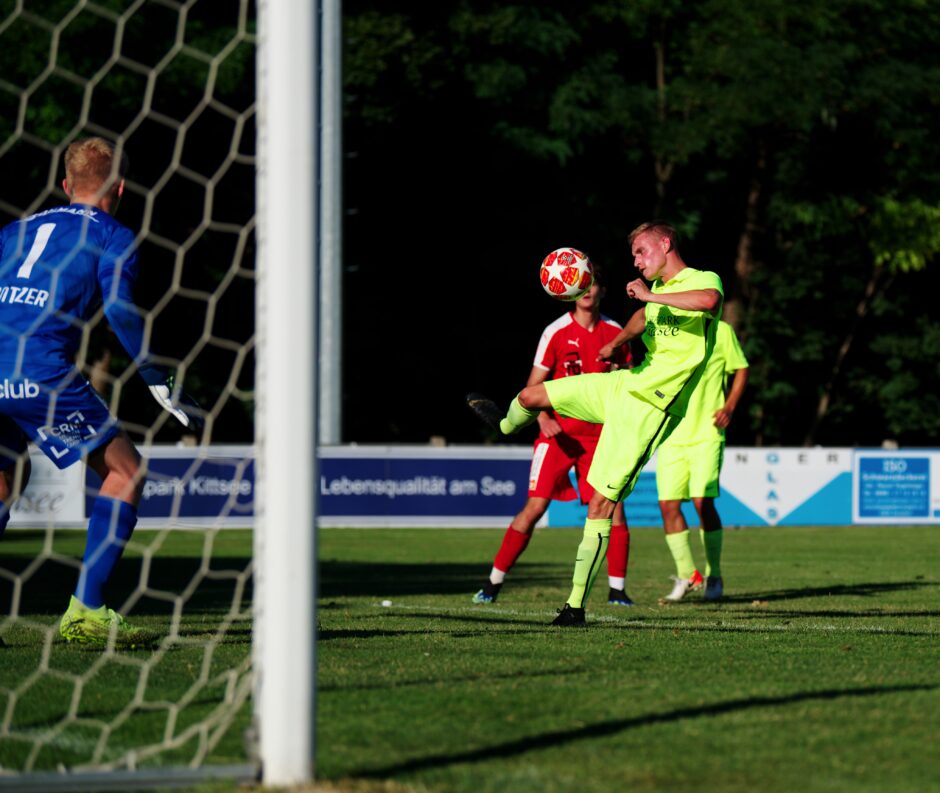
[
  {"x": 867, "y": 589},
  {"x": 734, "y": 627},
  {"x": 374, "y": 579},
  {"x": 787, "y": 614},
  {"x": 611, "y": 727},
  {"x": 328, "y": 634},
  {"x": 101, "y": 713},
  {"x": 430, "y": 682},
  {"x": 46, "y": 588},
  {"x": 486, "y": 616}
]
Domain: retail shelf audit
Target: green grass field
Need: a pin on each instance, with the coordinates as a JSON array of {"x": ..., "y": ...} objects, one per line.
[
  {"x": 61, "y": 704},
  {"x": 820, "y": 671}
]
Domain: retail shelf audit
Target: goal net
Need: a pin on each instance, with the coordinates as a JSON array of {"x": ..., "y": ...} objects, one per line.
[{"x": 172, "y": 83}]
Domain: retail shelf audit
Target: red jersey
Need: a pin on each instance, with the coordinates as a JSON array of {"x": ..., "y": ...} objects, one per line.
[{"x": 567, "y": 349}]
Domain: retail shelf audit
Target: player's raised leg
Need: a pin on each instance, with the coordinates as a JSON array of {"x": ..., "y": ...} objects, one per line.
[{"x": 524, "y": 408}]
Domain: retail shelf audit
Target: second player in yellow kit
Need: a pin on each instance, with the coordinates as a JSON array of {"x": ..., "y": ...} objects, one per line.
[{"x": 688, "y": 465}]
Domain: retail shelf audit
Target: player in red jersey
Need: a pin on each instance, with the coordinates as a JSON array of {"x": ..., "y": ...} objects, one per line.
[{"x": 569, "y": 346}]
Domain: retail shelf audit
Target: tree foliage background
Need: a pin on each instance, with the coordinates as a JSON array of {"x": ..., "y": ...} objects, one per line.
[{"x": 794, "y": 144}]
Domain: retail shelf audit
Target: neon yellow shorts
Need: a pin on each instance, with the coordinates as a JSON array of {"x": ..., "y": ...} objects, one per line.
[
  {"x": 684, "y": 472},
  {"x": 633, "y": 428}
]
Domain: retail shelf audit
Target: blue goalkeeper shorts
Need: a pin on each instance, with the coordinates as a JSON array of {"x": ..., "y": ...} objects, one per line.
[{"x": 57, "y": 409}]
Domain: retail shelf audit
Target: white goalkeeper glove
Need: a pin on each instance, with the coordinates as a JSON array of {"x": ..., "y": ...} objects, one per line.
[{"x": 179, "y": 403}]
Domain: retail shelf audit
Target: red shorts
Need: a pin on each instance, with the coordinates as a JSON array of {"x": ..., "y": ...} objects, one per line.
[{"x": 552, "y": 459}]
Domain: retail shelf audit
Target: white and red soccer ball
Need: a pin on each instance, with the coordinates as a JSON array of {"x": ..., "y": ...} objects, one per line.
[{"x": 566, "y": 273}]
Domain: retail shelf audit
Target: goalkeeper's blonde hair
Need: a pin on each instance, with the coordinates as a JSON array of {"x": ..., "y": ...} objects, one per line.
[{"x": 92, "y": 165}]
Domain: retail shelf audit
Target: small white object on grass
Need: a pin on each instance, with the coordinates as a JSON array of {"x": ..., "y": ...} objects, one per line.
[{"x": 386, "y": 602}]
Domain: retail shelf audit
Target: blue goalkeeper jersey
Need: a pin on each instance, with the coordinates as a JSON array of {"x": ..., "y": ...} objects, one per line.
[{"x": 57, "y": 269}]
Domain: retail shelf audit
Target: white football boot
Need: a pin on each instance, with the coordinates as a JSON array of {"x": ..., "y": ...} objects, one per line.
[{"x": 683, "y": 586}]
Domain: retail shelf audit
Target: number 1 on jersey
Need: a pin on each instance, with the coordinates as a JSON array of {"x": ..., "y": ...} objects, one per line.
[{"x": 39, "y": 245}]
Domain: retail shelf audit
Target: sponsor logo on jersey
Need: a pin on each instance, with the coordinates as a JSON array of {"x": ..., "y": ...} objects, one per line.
[
  {"x": 72, "y": 432},
  {"x": 20, "y": 390},
  {"x": 85, "y": 212}
]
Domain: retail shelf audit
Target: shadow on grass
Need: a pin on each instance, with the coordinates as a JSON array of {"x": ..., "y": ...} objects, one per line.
[
  {"x": 496, "y": 626},
  {"x": 340, "y": 578},
  {"x": 428, "y": 682},
  {"x": 607, "y": 728},
  {"x": 788, "y": 614},
  {"x": 21, "y": 725},
  {"x": 326, "y": 634},
  {"x": 729, "y": 628},
  {"x": 47, "y": 588},
  {"x": 486, "y": 616},
  {"x": 868, "y": 589},
  {"x": 425, "y": 578},
  {"x": 487, "y": 619}
]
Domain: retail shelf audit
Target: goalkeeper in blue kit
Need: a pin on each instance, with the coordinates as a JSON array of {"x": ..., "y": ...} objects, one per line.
[{"x": 58, "y": 269}]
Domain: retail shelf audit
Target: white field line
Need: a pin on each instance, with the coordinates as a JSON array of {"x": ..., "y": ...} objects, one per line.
[{"x": 488, "y": 611}]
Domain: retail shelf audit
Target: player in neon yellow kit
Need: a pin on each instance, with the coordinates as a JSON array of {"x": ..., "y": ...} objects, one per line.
[
  {"x": 689, "y": 462},
  {"x": 638, "y": 407}
]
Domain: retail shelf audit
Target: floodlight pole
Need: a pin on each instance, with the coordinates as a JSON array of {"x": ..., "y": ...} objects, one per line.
[{"x": 287, "y": 213}]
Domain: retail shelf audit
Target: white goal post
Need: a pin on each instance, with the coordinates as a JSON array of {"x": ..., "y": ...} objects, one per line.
[{"x": 285, "y": 421}]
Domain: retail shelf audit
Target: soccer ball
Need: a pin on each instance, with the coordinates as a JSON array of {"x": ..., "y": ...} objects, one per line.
[{"x": 566, "y": 274}]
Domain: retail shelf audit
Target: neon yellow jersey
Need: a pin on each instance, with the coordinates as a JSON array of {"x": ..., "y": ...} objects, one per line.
[
  {"x": 709, "y": 395},
  {"x": 678, "y": 342}
]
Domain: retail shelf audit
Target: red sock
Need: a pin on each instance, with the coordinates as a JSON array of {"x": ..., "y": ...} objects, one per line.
[
  {"x": 618, "y": 551},
  {"x": 514, "y": 543}
]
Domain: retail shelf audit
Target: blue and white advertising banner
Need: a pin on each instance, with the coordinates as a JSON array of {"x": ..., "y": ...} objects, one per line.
[
  {"x": 53, "y": 497},
  {"x": 896, "y": 487},
  {"x": 795, "y": 487},
  {"x": 422, "y": 486},
  {"x": 190, "y": 487}
]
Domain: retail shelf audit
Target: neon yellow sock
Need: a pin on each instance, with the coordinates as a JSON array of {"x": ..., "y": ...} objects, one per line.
[
  {"x": 591, "y": 553},
  {"x": 517, "y": 417},
  {"x": 711, "y": 540},
  {"x": 682, "y": 553}
]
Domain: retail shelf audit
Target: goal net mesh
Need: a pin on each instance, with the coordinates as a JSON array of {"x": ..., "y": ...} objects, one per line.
[{"x": 174, "y": 84}]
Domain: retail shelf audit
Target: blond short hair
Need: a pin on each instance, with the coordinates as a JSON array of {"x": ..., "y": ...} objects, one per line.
[
  {"x": 660, "y": 229},
  {"x": 92, "y": 166}
]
